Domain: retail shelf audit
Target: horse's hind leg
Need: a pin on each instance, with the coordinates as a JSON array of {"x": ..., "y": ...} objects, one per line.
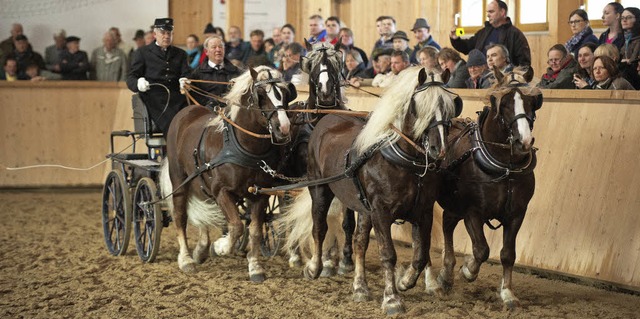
[
  {"x": 445, "y": 278},
  {"x": 185, "y": 262},
  {"x": 322, "y": 197},
  {"x": 361, "y": 242},
  {"x": 391, "y": 301},
  {"x": 348, "y": 225},
  {"x": 507, "y": 258},
  {"x": 225, "y": 245},
  {"x": 258, "y": 210},
  {"x": 421, "y": 233},
  {"x": 201, "y": 252},
  {"x": 471, "y": 266}
]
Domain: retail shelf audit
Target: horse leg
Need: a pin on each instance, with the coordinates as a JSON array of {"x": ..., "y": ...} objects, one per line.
[
  {"x": 322, "y": 197},
  {"x": 507, "y": 258},
  {"x": 471, "y": 266},
  {"x": 445, "y": 278},
  {"x": 361, "y": 242},
  {"x": 329, "y": 255},
  {"x": 407, "y": 278},
  {"x": 201, "y": 252},
  {"x": 225, "y": 244},
  {"x": 348, "y": 225},
  {"x": 258, "y": 209},
  {"x": 294, "y": 258},
  {"x": 185, "y": 262},
  {"x": 391, "y": 301}
]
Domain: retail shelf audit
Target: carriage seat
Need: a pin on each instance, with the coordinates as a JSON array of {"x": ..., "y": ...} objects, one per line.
[{"x": 143, "y": 124}]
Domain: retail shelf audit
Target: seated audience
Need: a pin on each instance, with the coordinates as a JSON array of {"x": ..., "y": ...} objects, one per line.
[
  {"x": 8, "y": 45},
  {"x": 354, "y": 66},
  {"x": 561, "y": 68},
  {"x": 52, "y": 52},
  {"x": 149, "y": 37},
  {"x": 607, "y": 76},
  {"x": 611, "y": 18},
  {"x": 631, "y": 49},
  {"x": 235, "y": 47},
  {"x": 122, "y": 45},
  {"x": 333, "y": 29},
  {"x": 268, "y": 47},
  {"x": 254, "y": 54},
  {"x": 317, "y": 33},
  {"x": 216, "y": 68},
  {"x": 450, "y": 59},
  {"x": 401, "y": 43},
  {"x": 582, "y": 32},
  {"x": 74, "y": 63},
  {"x": 399, "y": 62},
  {"x": 139, "y": 41},
  {"x": 498, "y": 56},
  {"x": 478, "y": 71},
  {"x": 346, "y": 36},
  {"x": 583, "y": 78},
  {"x": 25, "y": 55},
  {"x": 381, "y": 60},
  {"x": 293, "y": 52},
  {"x": 386, "y": 26},
  {"x": 609, "y": 50},
  {"x": 428, "y": 58},
  {"x": 10, "y": 70},
  {"x": 287, "y": 34},
  {"x": 108, "y": 63},
  {"x": 421, "y": 31},
  {"x": 193, "y": 50}
]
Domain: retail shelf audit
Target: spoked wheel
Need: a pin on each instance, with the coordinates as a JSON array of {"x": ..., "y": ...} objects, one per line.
[
  {"x": 271, "y": 234},
  {"x": 116, "y": 213},
  {"x": 147, "y": 221}
]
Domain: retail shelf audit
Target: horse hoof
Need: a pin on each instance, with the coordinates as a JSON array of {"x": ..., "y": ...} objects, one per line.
[
  {"x": 438, "y": 292},
  {"x": 257, "y": 278},
  {"x": 309, "y": 274},
  {"x": 212, "y": 251},
  {"x": 467, "y": 275},
  {"x": 361, "y": 296},
  {"x": 444, "y": 284},
  {"x": 345, "y": 269},
  {"x": 328, "y": 272},
  {"x": 189, "y": 268},
  {"x": 394, "y": 309},
  {"x": 511, "y": 305},
  {"x": 295, "y": 264}
]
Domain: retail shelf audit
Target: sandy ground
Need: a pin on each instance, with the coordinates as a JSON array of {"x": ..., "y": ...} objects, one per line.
[{"x": 53, "y": 264}]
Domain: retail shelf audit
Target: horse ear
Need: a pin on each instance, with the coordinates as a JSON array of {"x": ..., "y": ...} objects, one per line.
[
  {"x": 498, "y": 74},
  {"x": 422, "y": 77},
  {"x": 528, "y": 76},
  {"x": 307, "y": 45},
  {"x": 446, "y": 74},
  {"x": 304, "y": 64},
  {"x": 254, "y": 74},
  {"x": 338, "y": 44}
]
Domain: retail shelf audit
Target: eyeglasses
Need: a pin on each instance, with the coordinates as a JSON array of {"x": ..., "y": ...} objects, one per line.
[
  {"x": 554, "y": 61},
  {"x": 625, "y": 18},
  {"x": 575, "y": 21}
]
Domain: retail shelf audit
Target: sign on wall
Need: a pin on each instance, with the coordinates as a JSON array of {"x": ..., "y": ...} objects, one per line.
[{"x": 264, "y": 15}]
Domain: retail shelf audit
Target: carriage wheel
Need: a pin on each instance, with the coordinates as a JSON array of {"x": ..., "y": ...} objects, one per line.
[
  {"x": 116, "y": 213},
  {"x": 271, "y": 233},
  {"x": 147, "y": 221}
]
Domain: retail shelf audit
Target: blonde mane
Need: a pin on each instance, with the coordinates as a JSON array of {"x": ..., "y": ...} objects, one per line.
[
  {"x": 501, "y": 88},
  {"x": 240, "y": 86},
  {"x": 394, "y": 105}
]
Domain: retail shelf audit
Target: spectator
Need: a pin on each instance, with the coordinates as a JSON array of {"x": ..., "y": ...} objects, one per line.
[
  {"x": 291, "y": 64},
  {"x": 583, "y": 78},
  {"x": 10, "y": 70},
  {"x": 268, "y": 47},
  {"x": 287, "y": 35},
  {"x": 52, "y": 52},
  {"x": 149, "y": 37},
  {"x": 124, "y": 46},
  {"x": 611, "y": 18},
  {"x": 399, "y": 62},
  {"x": 194, "y": 50},
  {"x": 209, "y": 31},
  {"x": 561, "y": 68},
  {"x": 381, "y": 64},
  {"x": 163, "y": 64},
  {"x": 428, "y": 58},
  {"x": 606, "y": 75},
  {"x": 354, "y": 65},
  {"x": 234, "y": 49},
  {"x": 498, "y": 56},
  {"x": 138, "y": 39},
  {"x": 582, "y": 33},
  {"x": 24, "y": 55},
  {"x": 478, "y": 71},
  {"x": 7, "y": 46},
  {"x": 401, "y": 43},
  {"x": 631, "y": 48},
  {"x": 609, "y": 50},
  {"x": 386, "y": 26},
  {"x": 346, "y": 36},
  {"x": 255, "y": 54},
  {"x": 500, "y": 30},
  {"x": 316, "y": 29},
  {"x": 108, "y": 63},
  {"x": 216, "y": 68},
  {"x": 333, "y": 29},
  {"x": 33, "y": 73},
  {"x": 276, "y": 36},
  {"x": 74, "y": 63},
  {"x": 450, "y": 60},
  {"x": 422, "y": 32},
  {"x": 220, "y": 32}
]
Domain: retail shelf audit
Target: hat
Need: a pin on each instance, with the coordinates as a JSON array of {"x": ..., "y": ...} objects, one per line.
[
  {"x": 400, "y": 35},
  {"x": 476, "y": 58},
  {"x": 380, "y": 51},
  {"x": 164, "y": 24},
  {"x": 72, "y": 38},
  {"x": 139, "y": 34},
  {"x": 209, "y": 29},
  {"x": 420, "y": 23},
  {"x": 21, "y": 37}
]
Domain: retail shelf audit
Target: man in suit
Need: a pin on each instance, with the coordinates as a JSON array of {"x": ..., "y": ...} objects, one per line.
[
  {"x": 217, "y": 68},
  {"x": 156, "y": 66}
]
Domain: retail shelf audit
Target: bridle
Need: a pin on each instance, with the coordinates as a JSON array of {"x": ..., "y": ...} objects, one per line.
[{"x": 333, "y": 78}]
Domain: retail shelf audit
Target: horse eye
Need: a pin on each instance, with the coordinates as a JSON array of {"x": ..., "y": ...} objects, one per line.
[{"x": 277, "y": 94}]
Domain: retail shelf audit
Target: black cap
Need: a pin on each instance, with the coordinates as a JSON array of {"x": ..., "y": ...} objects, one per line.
[
  {"x": 209, "y": 29},
  {"x": 400, "y": 35},
  {"x": 72, "y": 38},
  {"x": 21, "y": 37},
  {"x": 139, "y": 34},
  {"x": 476, "y": 58},
  {"x": 380, "y": 51},
  {"x": 164, "y": 24}
]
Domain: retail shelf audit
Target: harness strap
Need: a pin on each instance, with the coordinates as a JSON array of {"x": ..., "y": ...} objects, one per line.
[{"x": 228, "y": 120}]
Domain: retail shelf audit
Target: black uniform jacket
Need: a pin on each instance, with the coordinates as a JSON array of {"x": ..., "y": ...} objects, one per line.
[
  {"x": 161, "y": 67},
  {"x": 205, "y": 72}
]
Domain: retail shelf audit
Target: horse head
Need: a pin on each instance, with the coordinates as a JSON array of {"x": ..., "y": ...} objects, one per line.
[
  {"x": 272, "y": 96},
  {"x": 513, "y": 104},
  {"x": 324, "y": 64}
]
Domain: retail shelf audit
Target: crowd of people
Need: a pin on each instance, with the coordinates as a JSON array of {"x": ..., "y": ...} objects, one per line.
[{"x": 583, "y": 62}]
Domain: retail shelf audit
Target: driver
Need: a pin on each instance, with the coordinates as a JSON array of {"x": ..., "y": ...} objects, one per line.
[{"x": 156, "y": 66}]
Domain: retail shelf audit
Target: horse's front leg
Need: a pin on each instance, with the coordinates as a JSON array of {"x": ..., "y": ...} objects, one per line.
[
  {"x": 391, "y": 301},
  {"x": 361, "y": 242},
  {"x": 471, "y": 266},
  {"x": 321, "y": 197},
  {"x": 507, "y": 258},
  {"x": 445, "y": 278},
  {"x": 201, "y": 252},
  {"x": 258, "y": 209},
  {"x": 225, "y": 244},
  {"x": 348, "y": 225},
  {"x": 421, "y": 235}
]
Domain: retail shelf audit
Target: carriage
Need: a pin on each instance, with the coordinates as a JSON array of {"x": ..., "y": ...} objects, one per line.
[{"x": 131, "y": 196}]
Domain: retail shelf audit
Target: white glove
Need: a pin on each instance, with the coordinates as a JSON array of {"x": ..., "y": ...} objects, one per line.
[
  {"x": 182, "y": 82},
  {"x": 143, "y": 85}
]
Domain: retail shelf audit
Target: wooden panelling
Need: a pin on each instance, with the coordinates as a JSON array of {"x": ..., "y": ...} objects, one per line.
[{"x": 190, "y": 16}]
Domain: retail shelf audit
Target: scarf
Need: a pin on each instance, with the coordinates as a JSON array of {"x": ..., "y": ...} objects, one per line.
[
  {"x": 551, "y": 75},
  {"x": 571, "y": 44}
]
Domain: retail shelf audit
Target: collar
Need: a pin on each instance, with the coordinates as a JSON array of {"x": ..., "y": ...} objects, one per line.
[
  {"x": 161, "y": 48},
  {"x": 213, "y": 65}
]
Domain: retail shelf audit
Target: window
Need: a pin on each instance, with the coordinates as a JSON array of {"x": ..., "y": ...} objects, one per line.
[
  {"x": 526, "y": 15},
  {"x": 594, "y": 9}
]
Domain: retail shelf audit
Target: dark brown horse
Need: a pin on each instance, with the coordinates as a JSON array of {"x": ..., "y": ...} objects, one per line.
[
  {"x": 385, "y": 177},
  {"x": 488, "y": 174},
  {"x": 228, "y": 159}
]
